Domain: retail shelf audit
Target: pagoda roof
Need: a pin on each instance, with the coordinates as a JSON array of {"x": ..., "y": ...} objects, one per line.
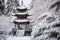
[
  {"x": 18, "y": 14},
  {"x": 21, "y": 13},
  {"x": 21, "y": 21},
  {"x": 21, "y": 7}
]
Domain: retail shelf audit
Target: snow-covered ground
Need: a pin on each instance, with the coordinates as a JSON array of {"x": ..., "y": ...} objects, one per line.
[{"x": 18, "y": 38}]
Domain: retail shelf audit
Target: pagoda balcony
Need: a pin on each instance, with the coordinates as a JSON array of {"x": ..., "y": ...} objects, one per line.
[{"x": 21, "y": 17}]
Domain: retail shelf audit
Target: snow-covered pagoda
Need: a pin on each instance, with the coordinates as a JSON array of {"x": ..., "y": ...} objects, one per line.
[{"x": 21, "y": 22}]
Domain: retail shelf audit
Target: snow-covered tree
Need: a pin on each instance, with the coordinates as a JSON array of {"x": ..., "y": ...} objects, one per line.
[
  {"x": 48, "y": 29},
  {"x": 47, "y": 26},
  {"x": 2, "y": 7}
]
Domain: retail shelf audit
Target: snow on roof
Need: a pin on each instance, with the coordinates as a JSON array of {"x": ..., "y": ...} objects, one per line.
[
  {"x": 21, "y": 20},
  {"x": 21, "y": 13},
  {"x": 21, "y": 7}
]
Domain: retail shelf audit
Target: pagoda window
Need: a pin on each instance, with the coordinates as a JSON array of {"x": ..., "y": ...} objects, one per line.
[{"x": 21, "y": 27}]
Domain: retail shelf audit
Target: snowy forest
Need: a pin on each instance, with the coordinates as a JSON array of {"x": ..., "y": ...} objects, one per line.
[{"x": 29, "y": 19}]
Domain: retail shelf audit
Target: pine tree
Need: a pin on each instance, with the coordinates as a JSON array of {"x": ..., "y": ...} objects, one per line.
[{"x": 56, "y": 4}]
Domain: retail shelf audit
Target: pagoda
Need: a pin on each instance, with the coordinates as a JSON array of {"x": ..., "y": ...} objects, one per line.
[{"x": 21, "y": 22}]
